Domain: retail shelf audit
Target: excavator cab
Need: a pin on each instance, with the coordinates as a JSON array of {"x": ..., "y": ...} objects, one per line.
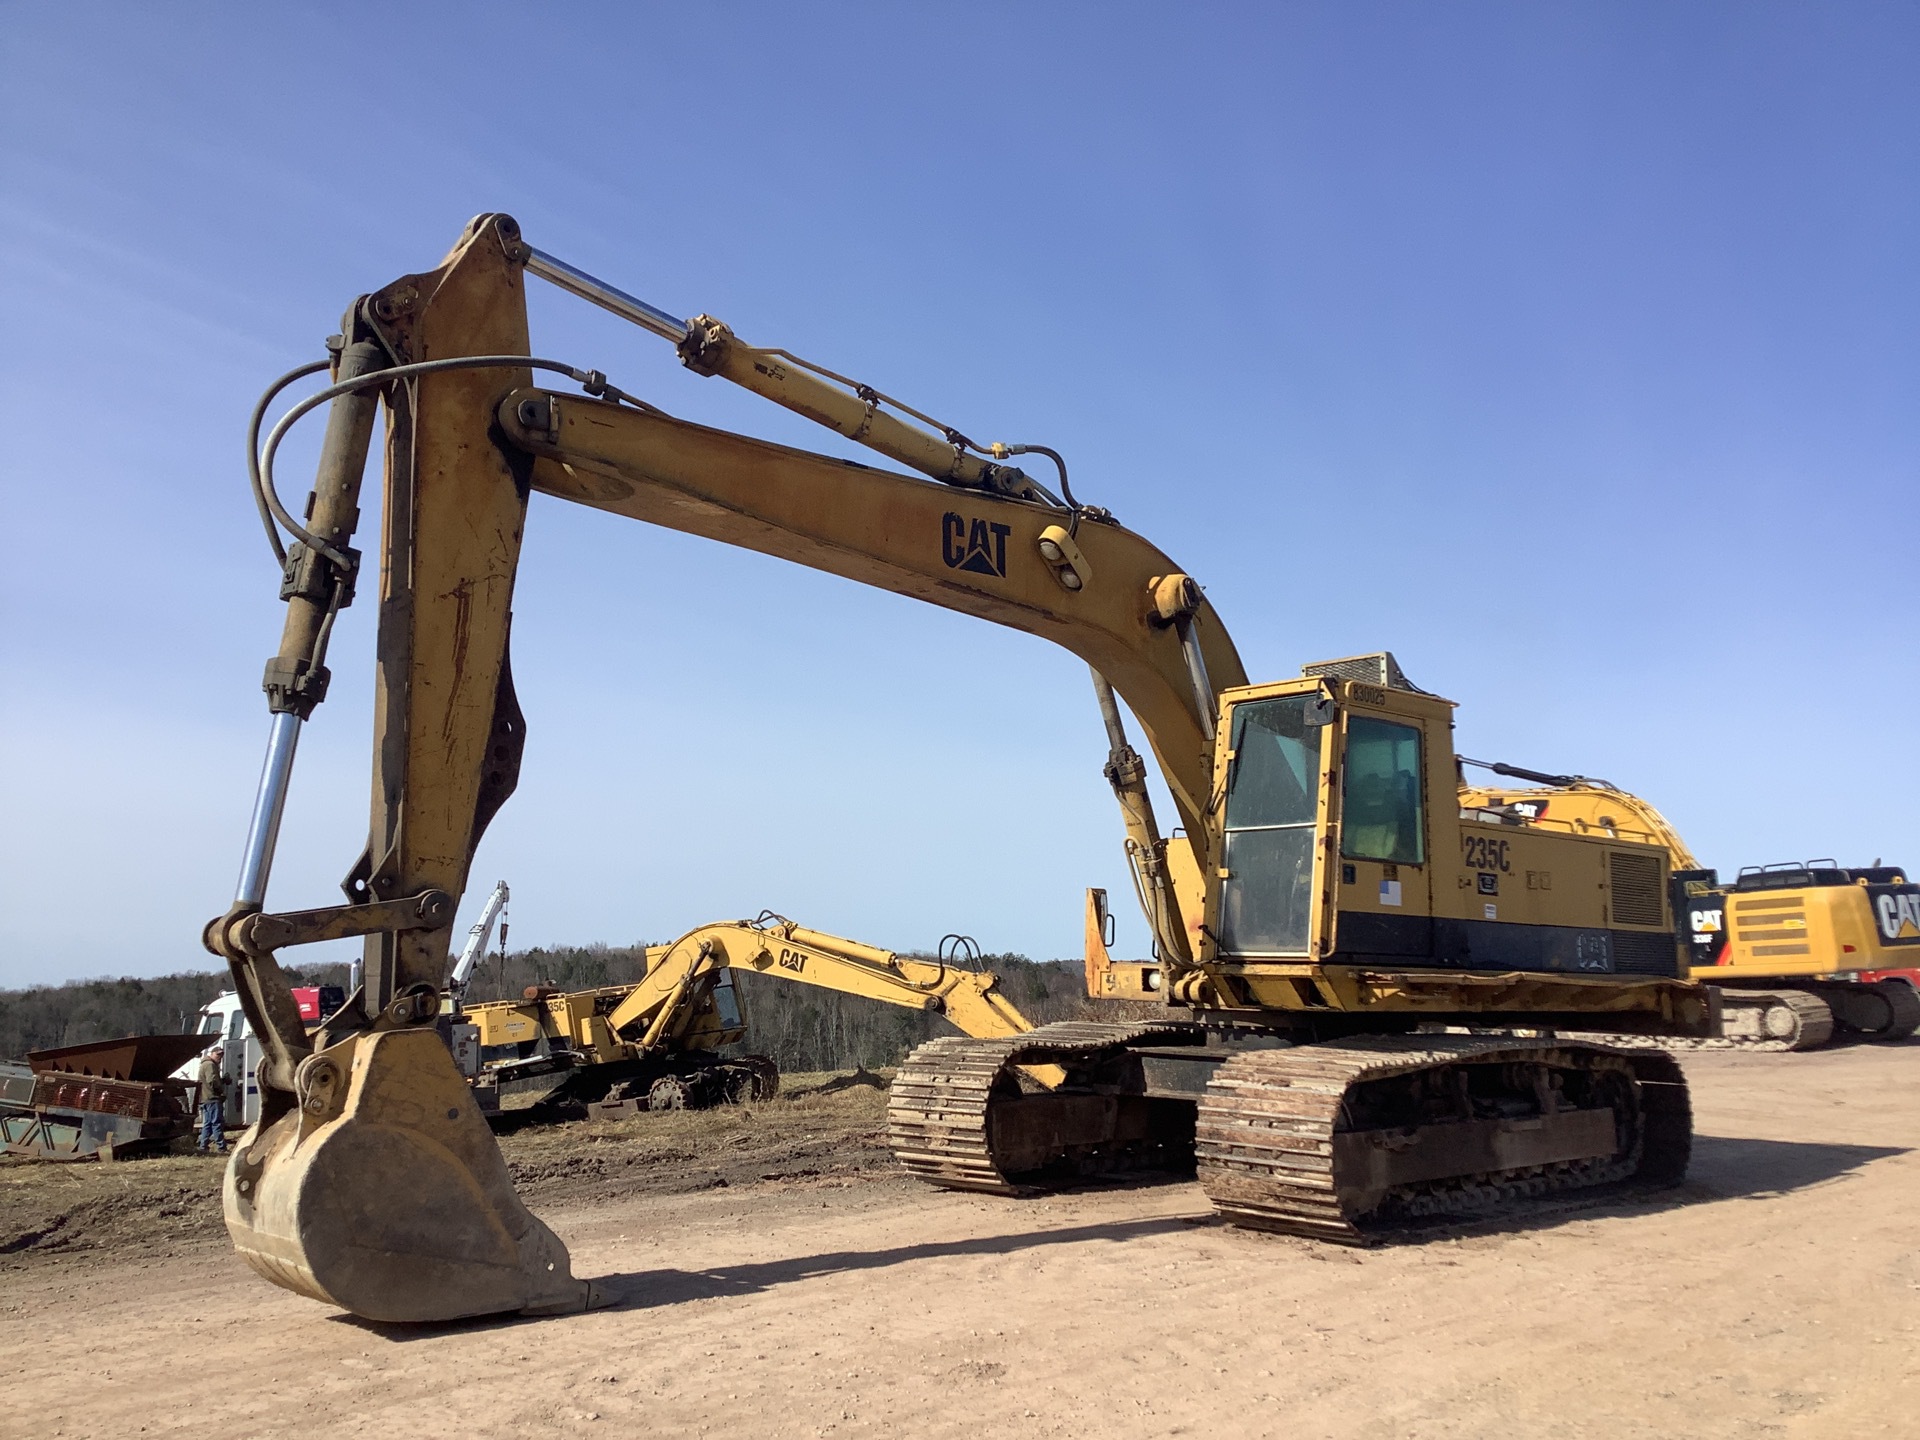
[
  {"x": 1303, "y": 772},
  {"x": 1344, "y": 851}
]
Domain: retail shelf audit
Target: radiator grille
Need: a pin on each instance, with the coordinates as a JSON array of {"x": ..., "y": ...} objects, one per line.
[
  {"x": 1637, "y": 952},
  {"x": 1635, "y": 881},
  {"x": 1380, "y": 669}
]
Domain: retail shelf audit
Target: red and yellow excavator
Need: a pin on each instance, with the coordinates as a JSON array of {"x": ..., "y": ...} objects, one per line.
[
  {"x": 1321, "y": 898},
  {"x": 1798, "y": 952}
]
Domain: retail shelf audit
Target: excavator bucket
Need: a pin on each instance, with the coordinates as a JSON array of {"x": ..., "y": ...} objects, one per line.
[{"x": 384, "y": 1193}]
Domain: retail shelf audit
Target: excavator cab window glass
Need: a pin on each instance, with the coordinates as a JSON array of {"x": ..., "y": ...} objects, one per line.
[
  {"x": 1381, "y": 813},
  {"x": 726, "y": 1002},
  {"x": 1272, "y": 814}
]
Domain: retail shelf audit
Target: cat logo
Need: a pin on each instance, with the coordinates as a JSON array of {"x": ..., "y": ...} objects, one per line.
[
  {"x": 979, "y": 547},
  {"x": 1705, "y": 922},
  {"x": 1897, "y": 909},
  {"x": 1593, "y": 950},
  {"x": 1531, "y": 809}
]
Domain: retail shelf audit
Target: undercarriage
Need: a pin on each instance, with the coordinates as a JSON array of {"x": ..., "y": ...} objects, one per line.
[{"x": 1340, "y": 1140}]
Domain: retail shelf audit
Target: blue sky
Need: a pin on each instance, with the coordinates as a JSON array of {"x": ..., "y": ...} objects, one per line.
[{"x": 1570, "y": 352}]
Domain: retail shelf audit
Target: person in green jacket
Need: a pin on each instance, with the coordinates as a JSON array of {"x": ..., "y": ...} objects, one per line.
[{"x": 213, "y": 1099}]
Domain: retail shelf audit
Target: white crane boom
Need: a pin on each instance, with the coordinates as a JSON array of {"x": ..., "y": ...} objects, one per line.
[{"x": 477, "y": 941}]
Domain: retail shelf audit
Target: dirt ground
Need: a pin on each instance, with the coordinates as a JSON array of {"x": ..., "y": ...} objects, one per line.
[{"x": 781, "y": 1280}]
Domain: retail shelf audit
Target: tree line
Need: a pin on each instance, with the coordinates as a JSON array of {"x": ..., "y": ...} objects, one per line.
[
  {"x": 47, "y": 1017},
  {"x": 801, "y": 1028}
]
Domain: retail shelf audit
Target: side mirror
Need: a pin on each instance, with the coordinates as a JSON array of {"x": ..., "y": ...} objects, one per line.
[{"x": 1318, "y": 712}]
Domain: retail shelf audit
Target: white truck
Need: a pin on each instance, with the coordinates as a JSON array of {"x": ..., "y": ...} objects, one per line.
[{"x": 240, "y": 1060}]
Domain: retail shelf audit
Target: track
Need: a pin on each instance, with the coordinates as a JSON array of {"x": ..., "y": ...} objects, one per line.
[
  {"x": 1290, "y": 1140},
  {"x": 1332, "y": 1140},
  {"x": 1763, "y": 1020},
  {"x": 1752, "y": 1021},
  {"x": 1796, "y": 1020},
  {"x": 941, "y": 1129},
  {"x": 1905, "y": 1001},
  {"x": 1885, "y": 1010}
]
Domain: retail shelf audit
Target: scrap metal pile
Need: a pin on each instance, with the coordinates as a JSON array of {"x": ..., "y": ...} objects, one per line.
[{"x": 107, "y": 1100}]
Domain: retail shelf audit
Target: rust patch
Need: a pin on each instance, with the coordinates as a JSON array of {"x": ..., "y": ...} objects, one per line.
[{"x": 462, "y": 597}]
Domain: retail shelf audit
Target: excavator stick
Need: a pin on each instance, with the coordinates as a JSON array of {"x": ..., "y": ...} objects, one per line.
[{"x": 371, "y": 1180}]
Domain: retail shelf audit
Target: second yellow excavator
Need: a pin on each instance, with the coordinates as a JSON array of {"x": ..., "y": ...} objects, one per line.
[
  {"x": 661, "y": 1044},
  {"x": 1798, "y": 953},
  {"x": 1321, "y": 898}
]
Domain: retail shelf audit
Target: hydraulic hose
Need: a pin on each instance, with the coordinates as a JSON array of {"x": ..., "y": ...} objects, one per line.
[
  {"x": 265, "y": 494},
  {"x": 253, "y": 449}
]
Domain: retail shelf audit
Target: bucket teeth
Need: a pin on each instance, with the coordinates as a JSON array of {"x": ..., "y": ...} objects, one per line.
[{"x": 395, "y": 1203}]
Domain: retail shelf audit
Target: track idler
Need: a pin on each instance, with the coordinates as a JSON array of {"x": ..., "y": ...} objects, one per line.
[{"x": 382, "y": 1191}]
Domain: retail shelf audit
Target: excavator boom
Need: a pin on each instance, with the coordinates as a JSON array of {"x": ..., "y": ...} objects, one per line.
[
  {"x": 655, "y": 1009},
  {"x": 447, "y": 350}
]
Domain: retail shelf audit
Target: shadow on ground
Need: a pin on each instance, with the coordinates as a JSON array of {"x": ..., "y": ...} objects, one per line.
[
  {"x": 647, "y": 1289},
  {"x": 1727, "y": 1167},
  {"x": 671, "y": 1287},
  {"x": 1724, "y": 1167}
]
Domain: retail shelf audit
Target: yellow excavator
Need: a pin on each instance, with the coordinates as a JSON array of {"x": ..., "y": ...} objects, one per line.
[
  {"x": 1797, "y": 952},
  {"x": 1320, "y": 899},
  {"x": 657, "y": 1045}
]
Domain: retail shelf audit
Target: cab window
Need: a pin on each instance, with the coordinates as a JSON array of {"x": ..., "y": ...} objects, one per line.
[
  {"x": 1382, "y": 815},
  {"x": 726, "y": 1002},
  {"x": 1276, "y": 765},
  {"x": 1273, "y": 789}
]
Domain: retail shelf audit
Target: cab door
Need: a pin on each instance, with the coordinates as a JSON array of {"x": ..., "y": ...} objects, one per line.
[
  {"x": 1273, "y": 828},
  {"x": 1384, "y": 850}
]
